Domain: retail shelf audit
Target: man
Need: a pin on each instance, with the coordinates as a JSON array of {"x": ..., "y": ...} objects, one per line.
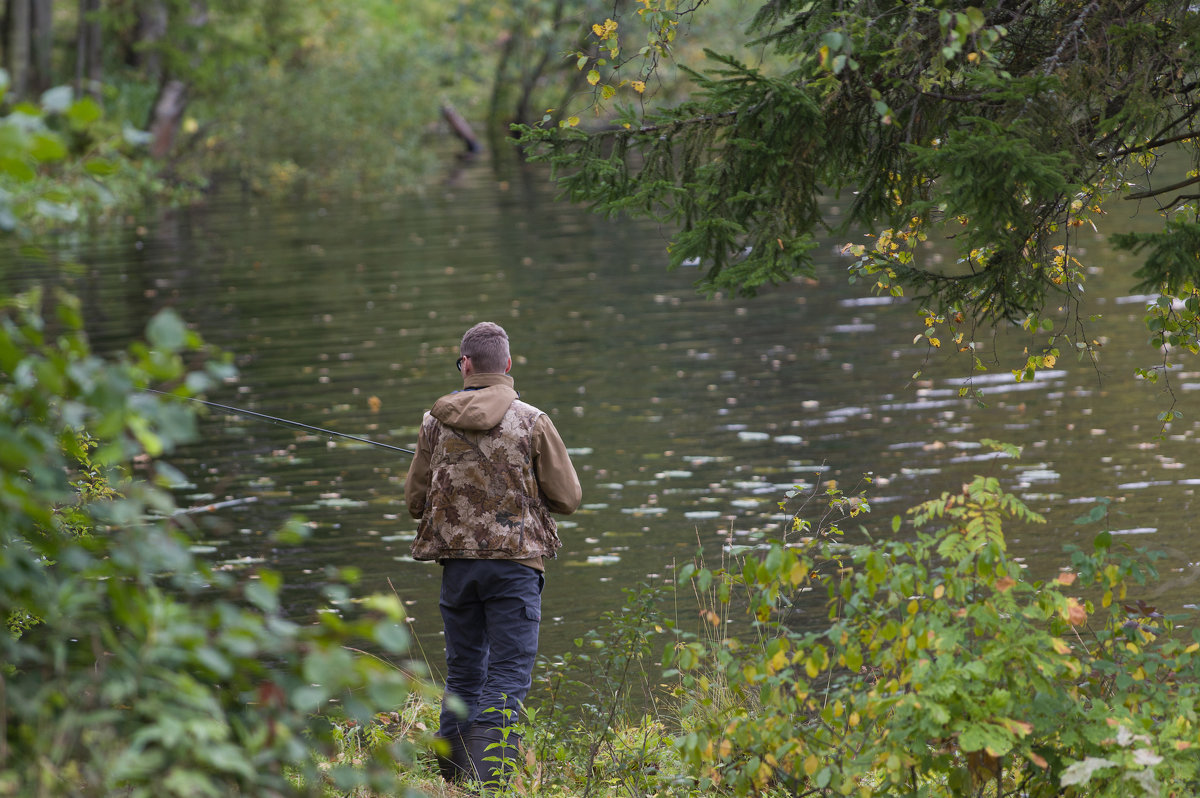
[{"x": 488, "y": 471}]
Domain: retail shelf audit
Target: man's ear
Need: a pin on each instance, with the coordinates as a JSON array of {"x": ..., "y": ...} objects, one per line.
[{"x": 508, "y": 368}]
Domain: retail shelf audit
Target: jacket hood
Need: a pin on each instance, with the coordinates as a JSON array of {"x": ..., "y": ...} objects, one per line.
[{"x": 481, "y": 404}]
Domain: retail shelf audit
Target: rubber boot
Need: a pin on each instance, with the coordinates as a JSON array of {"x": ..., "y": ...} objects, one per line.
[
  {"x": 493, "y": 754},
  {"x": 452, "y": 760}
]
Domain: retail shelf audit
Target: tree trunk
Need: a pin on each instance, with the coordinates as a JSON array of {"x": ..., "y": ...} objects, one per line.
[
  {"x": 152, "y": 29},
  {"x": 43, "y": 44},
  {"x": 461, "y": 128},
  {"x": 88, "y": 66},
  {"x": 167, "y": 114},
  {"x": 20, "y": 46}
]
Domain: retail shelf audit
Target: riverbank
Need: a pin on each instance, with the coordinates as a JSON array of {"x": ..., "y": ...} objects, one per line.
[{"x": 941, "y": 670}]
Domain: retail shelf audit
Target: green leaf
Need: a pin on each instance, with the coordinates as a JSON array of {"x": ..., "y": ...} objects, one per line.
[
  {"x": 46, "y": 146},
  {"x": 166, "y": 331},
  {"x": 15, "y": 167},
  {"x": 83, "y": 112},
  {"x": 392, "y": 636},
  {"x": 985, "y": 737},
  {"x": 262, "y": 596},
  {"x": 101, "y": 167}
]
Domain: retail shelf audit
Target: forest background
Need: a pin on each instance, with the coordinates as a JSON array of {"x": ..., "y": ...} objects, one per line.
[
  {"x": 291, "y": 95},
  {"x": 941, "y": 671}
]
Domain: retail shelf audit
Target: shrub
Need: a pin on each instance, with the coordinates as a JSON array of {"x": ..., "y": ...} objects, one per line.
[
  {"x": 130, "y": 666},
  {"x": 936, "y": 667}
]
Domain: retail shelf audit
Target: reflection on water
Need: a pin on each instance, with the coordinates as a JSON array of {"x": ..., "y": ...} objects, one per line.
[{"x": 688, "y": 418}]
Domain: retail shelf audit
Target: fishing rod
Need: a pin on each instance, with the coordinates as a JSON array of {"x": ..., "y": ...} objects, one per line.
[{"x": 242, "y": 412}]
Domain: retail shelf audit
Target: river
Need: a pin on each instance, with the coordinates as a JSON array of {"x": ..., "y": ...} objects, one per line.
[{"x": 688, "y": 418}]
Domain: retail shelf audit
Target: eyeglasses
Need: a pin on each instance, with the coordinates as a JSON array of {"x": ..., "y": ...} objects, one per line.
[{"x": 458, "y": 363}]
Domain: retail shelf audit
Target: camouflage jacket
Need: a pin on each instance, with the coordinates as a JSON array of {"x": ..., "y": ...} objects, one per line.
[{"x": 488, "y": 472}]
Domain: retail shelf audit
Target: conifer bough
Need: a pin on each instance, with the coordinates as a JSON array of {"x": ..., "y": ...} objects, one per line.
[{"x": 1002, "y": 127}]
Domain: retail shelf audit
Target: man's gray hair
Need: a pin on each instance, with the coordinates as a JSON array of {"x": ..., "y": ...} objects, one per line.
[{"x": 487, "y": 345}]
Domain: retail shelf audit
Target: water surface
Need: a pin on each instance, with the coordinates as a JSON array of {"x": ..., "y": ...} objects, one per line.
[{"x": 688, "y": 418}]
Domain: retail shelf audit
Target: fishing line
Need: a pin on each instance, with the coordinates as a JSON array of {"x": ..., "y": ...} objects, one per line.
[{"x": 242, "y": 412}]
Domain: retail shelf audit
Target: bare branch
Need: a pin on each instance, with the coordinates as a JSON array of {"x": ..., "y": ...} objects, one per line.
[{"x": 1165, "y": 190}]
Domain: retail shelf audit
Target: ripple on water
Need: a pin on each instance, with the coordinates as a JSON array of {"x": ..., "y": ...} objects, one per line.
[
  {"x": 920, "y": 472},
  {"x": 1005, "y": 378},
  {"x": 1039, "y": 475},
  {"x": 703, "y": 459}
]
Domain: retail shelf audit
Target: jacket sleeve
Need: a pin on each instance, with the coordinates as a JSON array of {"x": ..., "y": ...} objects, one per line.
[
  {"x": 555, "y": 474},
  {"x": 416, "y": 484}
]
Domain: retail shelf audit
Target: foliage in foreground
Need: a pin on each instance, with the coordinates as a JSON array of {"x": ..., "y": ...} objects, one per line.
[
  {"x": 131, "y": 667},
  {"x": 940, "y": 669},
  {"x": 930, "y": 666}
]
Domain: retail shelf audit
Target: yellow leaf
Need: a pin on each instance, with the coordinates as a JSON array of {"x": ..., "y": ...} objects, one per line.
[
  {"x": 939, "y": 591},
  {"x": 1192, "y": 649},
  {"x": 598, "y": 30},
  {"x": 593, "y": 77},
  {"x": 1061, "y": 646},
  {"x": 799, "y": 570},
  {"x": 725, "y": 749},
  {"x": 935, "y": 343},
  {"x": 572, "y": 121},
  {"x": 811, "y": 765},
  {"x": 639, "y": 86}
]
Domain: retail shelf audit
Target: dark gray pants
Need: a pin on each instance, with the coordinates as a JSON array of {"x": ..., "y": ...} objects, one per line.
[{"x": 490, "y": 612}]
